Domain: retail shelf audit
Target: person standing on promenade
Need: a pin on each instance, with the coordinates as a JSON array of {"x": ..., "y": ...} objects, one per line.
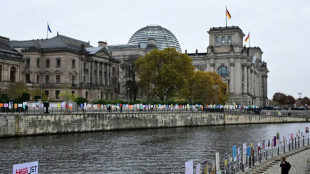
[{"x": 285, "y": 166}]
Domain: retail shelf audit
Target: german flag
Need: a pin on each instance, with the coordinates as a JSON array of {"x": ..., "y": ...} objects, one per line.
[
  {"x": 228, "y": 14},
  {"x": 247, "y": 38}
]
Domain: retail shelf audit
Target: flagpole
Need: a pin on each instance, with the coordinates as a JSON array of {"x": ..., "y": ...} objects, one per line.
[
  {"x": 47, "y": 31},
  {"x": 226, "y": 15},
  {"x": 249, "y": 39}
]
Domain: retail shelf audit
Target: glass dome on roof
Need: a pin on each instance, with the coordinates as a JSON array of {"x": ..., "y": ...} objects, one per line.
[{"x": 163, "y": 37}]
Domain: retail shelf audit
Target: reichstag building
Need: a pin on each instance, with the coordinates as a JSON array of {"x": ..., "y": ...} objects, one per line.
[{"x": 94, "y": 72}]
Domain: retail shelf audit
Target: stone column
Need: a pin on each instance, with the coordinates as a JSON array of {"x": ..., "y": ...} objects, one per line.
[
  {"x": 102, "y": 73},
  {"x": 212, "y": 66},
  {"x": 17, "y": 74},
  {"x": 250, "y": 81},
  {"x": 97, "y": 72},
  {"x": 266, "y": 85},
  {"x": 245, "y": 80},
  {"x": 89, "y": 73},
  {"x": 108, "y": 73},
  {"x": 231, "y": 77},
  {"x": 103, "y": 69},
  {"x": 82, "y": 71}
]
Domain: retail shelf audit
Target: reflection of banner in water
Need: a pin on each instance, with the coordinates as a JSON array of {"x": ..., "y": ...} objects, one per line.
[
  {"x": 198, "y": 166},
  {"x": 189, "y": 167}
]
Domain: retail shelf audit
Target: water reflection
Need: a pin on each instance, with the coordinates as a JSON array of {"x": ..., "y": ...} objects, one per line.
[{"x": 135, "y": 151}]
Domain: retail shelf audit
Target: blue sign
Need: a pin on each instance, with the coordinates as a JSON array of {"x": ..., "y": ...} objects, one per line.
[
  {"x": 248, "y": 151},
  {"x": 234, "y": 153}
]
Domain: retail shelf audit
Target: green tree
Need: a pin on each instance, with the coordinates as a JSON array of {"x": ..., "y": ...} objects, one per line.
[
  {"x": 80, "y": 100},
  {"x": 128, "y": 65},
  {"x": 221, "y": 94},
  {"x": 164, "y": 74},
  {"x": 67, "y": 95},
  {"x": 201, "y": 87},
  {"x": 16, "y": 90}
]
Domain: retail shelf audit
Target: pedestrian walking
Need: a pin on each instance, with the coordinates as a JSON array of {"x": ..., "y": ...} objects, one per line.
[{"x": 285, "y": 166}]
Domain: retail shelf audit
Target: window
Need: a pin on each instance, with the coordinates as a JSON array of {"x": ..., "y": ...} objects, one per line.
[
  {"x": 27, "y": 62},
  {"x": 84, "y": 79},
  {"x": 72, "y": 92},
  {"x": 101, "y": 96},
  {"x": 223, "y": 71},
  {"x": 12, "y": 74},
  {"x": 57, "y": 92},
  {"x": 57, "y": 79},
  {"x": 86, "y": 94},
  {"x": 38, "y": 63},
  {"x": 58, "y": 62},
  {"x": 73, "y": 63},
  {"x": 229, "y": 39},
  {"x": 38, "y": 78},
  {"x": 73, "y": 79},
  {"x": 47, "y": 63},
  {"x": 217, "y": 40},
  {"x": 113, "y": 71},
  {"x": 28, "y": 78},
  {"x": 223, "y": 40},
  {"x": 46, "y": 93},
  {"x": 47, "y": 79}
]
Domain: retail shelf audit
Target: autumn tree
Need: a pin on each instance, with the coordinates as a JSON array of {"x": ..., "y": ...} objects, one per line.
[
  {"x": 164, "y": 73},
  {"x": 220, "y": 88},
  {"x": 305, "y": 101},
  {"x": 128, "y": 66},
  {"x": 279, "y": 97},
  {"x": 290, "y": 100},
  {"x": 200, "y": 87}
]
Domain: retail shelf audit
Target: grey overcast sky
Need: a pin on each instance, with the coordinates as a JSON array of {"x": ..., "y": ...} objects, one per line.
[{"x": 281, "y": 28}]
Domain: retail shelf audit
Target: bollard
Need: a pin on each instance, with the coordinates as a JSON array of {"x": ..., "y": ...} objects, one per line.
[
  {"x": 295, "y": 143},
  {"x": 298, "y": 143},
  {"x": 250, "y": 161},
  {"x": 260, "y": 158},
  {"x": 289, "y": 145},
  {"x": 284, "y": 147},
  {"x": 242, "y": 167},
  {"x": 253, "y": 158},
  {"x": 266, "y": 154},
  {"x": 303, "y": 141},
  {"x": 278, "y": 150}
]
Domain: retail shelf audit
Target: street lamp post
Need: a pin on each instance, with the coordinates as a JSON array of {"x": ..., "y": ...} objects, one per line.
[{"x": 128, "y": 99}]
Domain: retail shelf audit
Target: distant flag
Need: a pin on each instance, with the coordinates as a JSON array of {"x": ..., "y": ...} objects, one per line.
[
  {"x": 247, "y": 38},
  {"x": 228, "y": 14},
  {"x": 48, "y": 28}
]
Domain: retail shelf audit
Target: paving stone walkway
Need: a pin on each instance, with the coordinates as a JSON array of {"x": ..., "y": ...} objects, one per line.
[{"x": 298, "y": 162}]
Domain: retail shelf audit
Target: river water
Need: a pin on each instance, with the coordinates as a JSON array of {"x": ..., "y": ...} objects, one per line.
[{"x": 134, "y": 151}]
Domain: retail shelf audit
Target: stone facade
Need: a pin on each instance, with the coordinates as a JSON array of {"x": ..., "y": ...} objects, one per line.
[
  {"x": 65, "y": 63},
  {"x": 240, "y": 67},
  {"x": 123, "y": 52},
  {"x": 10, "y": 63}
]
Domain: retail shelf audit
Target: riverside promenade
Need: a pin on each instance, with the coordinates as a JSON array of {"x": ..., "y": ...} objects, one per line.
[{"x": 297, "y": 158}]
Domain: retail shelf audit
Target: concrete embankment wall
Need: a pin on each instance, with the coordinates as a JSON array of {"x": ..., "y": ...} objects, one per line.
[{"x": 22, "y": 125}]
